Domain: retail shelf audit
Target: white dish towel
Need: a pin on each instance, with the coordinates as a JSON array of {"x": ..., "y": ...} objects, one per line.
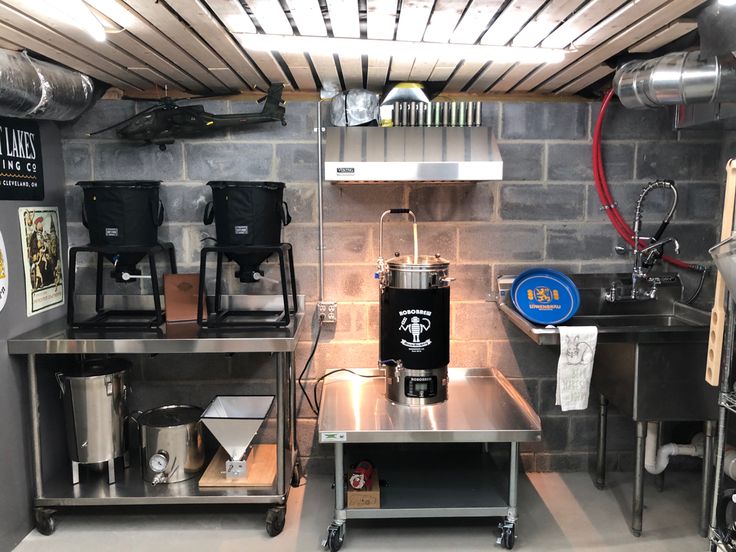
[{"x": 577, "y": 350}]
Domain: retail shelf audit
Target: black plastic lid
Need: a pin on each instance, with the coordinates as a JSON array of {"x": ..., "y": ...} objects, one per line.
[
  {"x": 246, "y": 184},
  {"x": 119, "y": 183}
]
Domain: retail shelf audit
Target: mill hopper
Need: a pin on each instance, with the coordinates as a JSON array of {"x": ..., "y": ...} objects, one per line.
[{"x": 234, "y": 420}]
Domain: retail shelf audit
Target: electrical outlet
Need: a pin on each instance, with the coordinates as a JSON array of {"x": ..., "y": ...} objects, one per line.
[{"x": 327, "y": 311}]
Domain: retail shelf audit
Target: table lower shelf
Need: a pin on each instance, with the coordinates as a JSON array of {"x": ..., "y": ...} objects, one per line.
[
  {"x": 130, "y": 489},
  {"x": 431, "y": 482}
]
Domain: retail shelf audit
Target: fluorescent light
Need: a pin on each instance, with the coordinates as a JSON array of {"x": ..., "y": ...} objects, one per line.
[
  {"x": 78, "y": 14},
  {"x": 727, "y": 2},
  {"x": 357, "y": 46}
]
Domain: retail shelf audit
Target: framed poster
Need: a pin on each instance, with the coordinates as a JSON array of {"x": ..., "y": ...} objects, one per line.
[
  {"x": 42, "y": 264},
  {"x": 21, "y": 166},
  {"x": 4, "y": 270}
]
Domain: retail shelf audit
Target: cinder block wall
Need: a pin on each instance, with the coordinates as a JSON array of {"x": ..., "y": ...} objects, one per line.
[{"x": 544, "y": 212}]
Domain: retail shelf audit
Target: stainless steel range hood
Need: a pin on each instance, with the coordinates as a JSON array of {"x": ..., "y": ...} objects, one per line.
[{"x": 423, "y": 154}]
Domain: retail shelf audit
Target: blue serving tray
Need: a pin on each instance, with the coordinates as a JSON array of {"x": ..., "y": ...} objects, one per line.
[{"x": 545, "y": 296}]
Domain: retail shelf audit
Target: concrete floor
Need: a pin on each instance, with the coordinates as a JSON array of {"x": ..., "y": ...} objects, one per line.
[{"x": 559, "y": 512}]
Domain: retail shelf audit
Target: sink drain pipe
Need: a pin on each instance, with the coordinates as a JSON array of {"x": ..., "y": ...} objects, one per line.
[{"x": 656, "y": 460}]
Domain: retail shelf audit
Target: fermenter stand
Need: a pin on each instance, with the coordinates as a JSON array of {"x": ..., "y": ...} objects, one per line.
[
  {"x": 52, "y": 485},
  {"x": 482, "y": 408},
  {"x": 117, "y": 318},
  {"x": 240, "y": 318}
]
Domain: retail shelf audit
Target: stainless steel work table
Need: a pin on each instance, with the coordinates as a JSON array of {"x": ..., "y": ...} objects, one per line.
[
  {"x": 483, "y": 407},
  {"x": 53, "y": 488}
]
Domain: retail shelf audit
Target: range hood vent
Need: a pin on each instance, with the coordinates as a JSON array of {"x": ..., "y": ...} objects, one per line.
[{"x": 406, "y": 154}]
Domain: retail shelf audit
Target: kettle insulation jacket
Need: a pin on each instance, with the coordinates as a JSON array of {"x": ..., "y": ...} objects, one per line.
[{"x": 545, "y": 296}]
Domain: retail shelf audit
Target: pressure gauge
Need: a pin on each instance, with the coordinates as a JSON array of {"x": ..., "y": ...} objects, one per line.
[{"x": 158, "y": 461}]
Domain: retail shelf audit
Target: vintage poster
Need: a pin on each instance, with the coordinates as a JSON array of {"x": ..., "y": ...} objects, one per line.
[
  {"x": 21, "y": 166},
  {"x": 4, "y": 270},
  {"x": 42, "y": 266}
]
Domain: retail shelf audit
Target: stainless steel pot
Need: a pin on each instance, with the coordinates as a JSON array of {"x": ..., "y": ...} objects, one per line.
[
  {"x": 94, "y": 414},
  {"x": 171, "y": 443}
]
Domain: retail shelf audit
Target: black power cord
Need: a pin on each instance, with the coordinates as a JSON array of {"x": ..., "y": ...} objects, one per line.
[
  {"x": 306, "y": 367},
  {"x": 321, "y": 379},
  {"x": 314, "y": 402}
]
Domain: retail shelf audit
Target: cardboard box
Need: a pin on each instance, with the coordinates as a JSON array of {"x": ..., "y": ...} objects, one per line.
[
  {"x": 365, "y": 498},
  {"x": 180, "y": 294}
]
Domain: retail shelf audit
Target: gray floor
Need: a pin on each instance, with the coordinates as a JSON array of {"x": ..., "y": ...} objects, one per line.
[{"x": 559, "y": 512}]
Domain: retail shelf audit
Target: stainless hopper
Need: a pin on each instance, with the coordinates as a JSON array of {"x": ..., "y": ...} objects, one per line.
[{"x": 234, "y": 420}]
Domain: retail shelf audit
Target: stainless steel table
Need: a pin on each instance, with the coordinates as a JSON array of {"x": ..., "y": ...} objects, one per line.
[
  {"x": 52, "y": 488},
  {"x": 483, "y": 407}
]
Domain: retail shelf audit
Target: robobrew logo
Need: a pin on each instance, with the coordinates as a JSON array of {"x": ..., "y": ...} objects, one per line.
[{"x": 415, "y": 322}]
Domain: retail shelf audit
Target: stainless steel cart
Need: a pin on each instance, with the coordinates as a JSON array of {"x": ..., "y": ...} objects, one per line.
[
  {"x": 483, "y": 408},
  {"x": 53, "y": 488}
]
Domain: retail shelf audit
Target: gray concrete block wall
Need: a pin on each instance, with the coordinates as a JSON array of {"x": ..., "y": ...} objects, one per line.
[{"x": 544, "y": 212}]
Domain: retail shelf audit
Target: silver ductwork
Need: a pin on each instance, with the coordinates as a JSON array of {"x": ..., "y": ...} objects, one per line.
[
  {"x": 675, "y": 79},
  {"x": 30, "y": 88}
]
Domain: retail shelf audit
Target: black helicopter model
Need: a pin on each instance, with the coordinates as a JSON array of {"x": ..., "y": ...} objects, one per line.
[{"x": 166, "y": 121}]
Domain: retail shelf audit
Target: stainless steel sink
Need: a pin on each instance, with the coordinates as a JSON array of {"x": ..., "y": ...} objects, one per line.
[
  {"x": 658, "y": 320},
  {"x": 650, "y": 358}
]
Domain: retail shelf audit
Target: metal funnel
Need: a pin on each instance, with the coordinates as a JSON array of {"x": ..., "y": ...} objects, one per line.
[{"x": 235, "y": 419}]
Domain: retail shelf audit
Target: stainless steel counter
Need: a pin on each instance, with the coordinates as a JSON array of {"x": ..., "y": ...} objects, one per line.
[
  {"x": 181, "y": 337},
  {"x": 52, "y": 487},
  {"x": 483, "y": 407}
]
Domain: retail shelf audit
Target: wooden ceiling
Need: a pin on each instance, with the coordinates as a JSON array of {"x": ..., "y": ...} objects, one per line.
[{"x": 191, "y": 46}]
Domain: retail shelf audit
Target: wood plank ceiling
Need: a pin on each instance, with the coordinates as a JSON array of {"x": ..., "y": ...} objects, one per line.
[{"x": 192, "y": 46}]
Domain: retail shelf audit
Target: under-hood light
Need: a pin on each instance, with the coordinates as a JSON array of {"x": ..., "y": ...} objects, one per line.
[{"x": 357, "y": 46}]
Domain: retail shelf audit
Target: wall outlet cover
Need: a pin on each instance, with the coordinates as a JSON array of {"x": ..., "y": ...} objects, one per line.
[{"x": 327, "y": 310}]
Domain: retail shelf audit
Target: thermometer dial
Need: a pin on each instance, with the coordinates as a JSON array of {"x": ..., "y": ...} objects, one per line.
[{"x": 158, "y": 461}]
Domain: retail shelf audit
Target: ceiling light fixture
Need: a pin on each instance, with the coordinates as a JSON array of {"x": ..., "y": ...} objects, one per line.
[
  {"x": 78, "y": 14},
  {"x": 357, "y": 46},
  {"x": 727, "y": 2}
]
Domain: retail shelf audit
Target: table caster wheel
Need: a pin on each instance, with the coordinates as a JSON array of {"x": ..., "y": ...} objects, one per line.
[
  {"x": 45, "y": 521},
  {"x": 297, "y": 474},
  {"x": 507, "y": 535},
  {"x": 335, "y": 538},
  {"x": 275, "y": 520}
]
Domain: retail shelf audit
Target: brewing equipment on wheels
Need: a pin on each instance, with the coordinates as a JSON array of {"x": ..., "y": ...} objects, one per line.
[{"x": 415, "y": 323}]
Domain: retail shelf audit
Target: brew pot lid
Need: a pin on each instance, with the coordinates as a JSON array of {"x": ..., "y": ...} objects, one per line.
[
  {"x": 170, "y": 416},
  {"x": 98, "y": 367},
  {"x": 423, "y": 261}
]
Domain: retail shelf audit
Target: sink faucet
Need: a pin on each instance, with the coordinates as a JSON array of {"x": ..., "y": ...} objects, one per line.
[{"x": 643, "y": 286}]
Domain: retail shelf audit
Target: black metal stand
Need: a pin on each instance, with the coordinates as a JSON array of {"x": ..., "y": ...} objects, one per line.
[
  {"x": 224, "y": 318},
  {"x": 118, "y": 318}
]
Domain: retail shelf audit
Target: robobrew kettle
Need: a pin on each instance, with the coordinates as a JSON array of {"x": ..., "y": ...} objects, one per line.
[{"x": 415, "y": 323}]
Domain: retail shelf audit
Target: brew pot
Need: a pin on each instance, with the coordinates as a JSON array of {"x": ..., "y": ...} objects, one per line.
[
  {"x": 414, "y": 307},
  {"x": 171, "y": 443},
  {"x": 95, "y": 410}
]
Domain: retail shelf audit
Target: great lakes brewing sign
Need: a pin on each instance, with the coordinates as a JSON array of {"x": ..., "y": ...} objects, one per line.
[{"x": 21, "y": 167}]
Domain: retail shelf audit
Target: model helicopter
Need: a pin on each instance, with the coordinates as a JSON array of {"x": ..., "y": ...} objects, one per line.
[{"x": 166, "y": 121}]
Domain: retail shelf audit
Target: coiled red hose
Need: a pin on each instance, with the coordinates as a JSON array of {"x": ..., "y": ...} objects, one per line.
[{"x": 604, "y": 193}]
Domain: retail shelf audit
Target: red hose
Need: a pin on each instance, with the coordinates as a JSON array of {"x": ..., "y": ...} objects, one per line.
[{"x": 604, "y": 193}]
